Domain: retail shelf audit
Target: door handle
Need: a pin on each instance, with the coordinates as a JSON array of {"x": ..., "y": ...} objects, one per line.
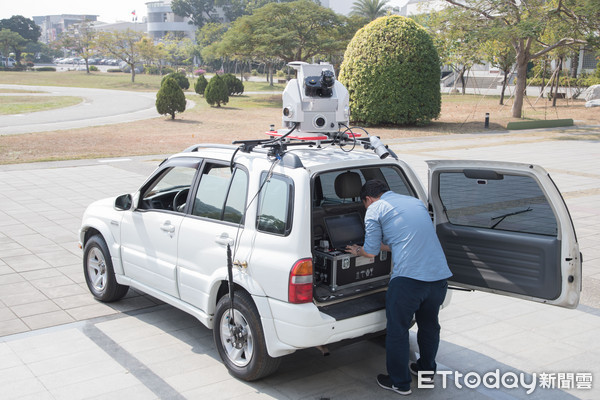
[
  {"x": 167, "y": 227},
  {"x": 224, "y": 239}
]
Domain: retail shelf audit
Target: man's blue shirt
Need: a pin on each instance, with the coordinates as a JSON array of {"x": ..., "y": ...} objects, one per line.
[{"x": 403, "y": 223}]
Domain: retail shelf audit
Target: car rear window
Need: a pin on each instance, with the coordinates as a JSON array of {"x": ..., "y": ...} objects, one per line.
[{"x": 511, "y": 203}]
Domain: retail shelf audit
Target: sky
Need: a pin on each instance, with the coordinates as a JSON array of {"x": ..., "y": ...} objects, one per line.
[{"x": 107, "y": 10}]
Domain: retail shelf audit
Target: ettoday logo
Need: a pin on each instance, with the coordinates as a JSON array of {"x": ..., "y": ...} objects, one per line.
[{"x": 507, "y": 380}]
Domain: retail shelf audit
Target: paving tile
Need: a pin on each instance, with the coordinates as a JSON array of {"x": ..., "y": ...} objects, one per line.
[
  {"x": 63, "y": 291},
  {"x": 12, "y": 326},
  {"x": 90, "y": 311},
  {"x": 10, "y": 278},
  {"x": 47, "y": 319},
  {"x": 79, "y": 300},
  {"x": 51, "y": 282},
  {"x": 40, "y": 307},
  {"x": 24, "y": 263}
]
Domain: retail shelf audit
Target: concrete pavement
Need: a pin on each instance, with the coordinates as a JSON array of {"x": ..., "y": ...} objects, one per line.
[
  {"x": 99, "y": 107},
  {"x": 56, "y": 342}
]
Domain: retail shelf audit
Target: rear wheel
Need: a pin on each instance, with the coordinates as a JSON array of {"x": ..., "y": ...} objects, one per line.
[
  {"x": 99, "y": 272},
  {"x": 241, "y": 345}
]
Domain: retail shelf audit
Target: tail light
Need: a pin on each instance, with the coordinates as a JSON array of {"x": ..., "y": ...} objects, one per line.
[{"x": 300, "y": 288}]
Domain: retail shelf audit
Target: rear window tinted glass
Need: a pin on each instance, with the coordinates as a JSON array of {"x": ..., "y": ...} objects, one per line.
[{"x": 513, "y": 203}]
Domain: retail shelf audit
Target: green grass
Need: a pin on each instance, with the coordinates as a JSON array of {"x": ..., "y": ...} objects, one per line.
[
  {"x": 27, "y": 104},
  {"x": 104, "y": 80}
]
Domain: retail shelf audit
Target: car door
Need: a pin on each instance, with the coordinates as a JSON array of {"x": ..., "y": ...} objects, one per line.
[
  {"x": 150, "y": 232},
  {"x": 506, "y": 229},
  {"x": 214, "y": 220}
]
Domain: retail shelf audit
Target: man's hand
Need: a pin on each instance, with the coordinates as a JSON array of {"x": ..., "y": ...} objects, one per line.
[{"x": 353, "y": 249}]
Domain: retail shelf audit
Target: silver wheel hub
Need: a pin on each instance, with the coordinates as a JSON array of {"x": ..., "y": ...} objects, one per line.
[
  {"x": 236, "y": 339},
  {"x": 96, "y": 268}
]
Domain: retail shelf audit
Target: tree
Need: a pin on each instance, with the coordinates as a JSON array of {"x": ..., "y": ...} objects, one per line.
[
  {"x": 524, "y": 23},
  {"x": 179, "y": 77},
  {"x": 200, "y": 85},
  {"x": 152, "y": 54},
  {"x": 392, "y": 72},
  {"x": 216, "y": 92},
  {"x": 501, "y": 55},
  {"x": 294, "y": 31},
  {"x": 198, "y": 11},
  {"x": 170, "y": 98},
  {"x": 125, "y": 45},
  {"x": 234, "y": 85},
  {"x": 25, "y": 27},
  {"x": 370, "y": 9},
  {"x": 458, "y": 42},
  {"x": 10, "y": 40},
  {"x": 81, "y": 39}
]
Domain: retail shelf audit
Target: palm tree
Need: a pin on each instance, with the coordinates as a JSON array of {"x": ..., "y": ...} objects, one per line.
[{"x": 370, "y": 9}]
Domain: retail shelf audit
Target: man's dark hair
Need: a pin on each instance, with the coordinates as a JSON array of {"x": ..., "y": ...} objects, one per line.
[{"x": 373, "y": 188}]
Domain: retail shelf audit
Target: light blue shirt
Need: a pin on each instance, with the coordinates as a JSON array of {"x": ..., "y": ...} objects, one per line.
[{"x": 403, "y": 223}]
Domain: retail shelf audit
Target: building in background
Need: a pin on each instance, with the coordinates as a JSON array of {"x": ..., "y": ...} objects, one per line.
[
  {"x": 52, "y": 26},
  {"x": 161, "y": 20}
]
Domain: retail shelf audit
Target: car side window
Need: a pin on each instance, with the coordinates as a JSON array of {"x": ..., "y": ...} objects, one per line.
[
  {"x": 221, "y": 194},
  {"x": 170, "y": 190},
  {"x": 506, "y": 202},
  {"x": 275, "y": 205}
]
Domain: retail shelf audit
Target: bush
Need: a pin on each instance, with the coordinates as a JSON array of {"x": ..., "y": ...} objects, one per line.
[
  {"x": 392, "y": 72},
  {"x": 180, "y": 78},
  {"x": 170, "y": 98},
  {"x": 200, "y": 85},
  {"x": 199, "y": 72},
  {"x": 234, "y": 85},
  {"x": 53, "y": 69},
  {"x": 93, "y": 68},
  {"x": 216, "y": 92},
  {"x": 254, "y": 72},
  {"x": 114, "y": 70}
]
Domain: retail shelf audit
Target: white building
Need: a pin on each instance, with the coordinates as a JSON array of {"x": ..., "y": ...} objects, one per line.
[{"x": 161, "y": 20}]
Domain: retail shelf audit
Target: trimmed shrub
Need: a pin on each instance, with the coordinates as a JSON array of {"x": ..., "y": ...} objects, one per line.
[
  {"x": 170, "y": 98},
  {"x": 216, "y": 92},
  {"x": 180, "y": 78},
  {"x": 53, "y": 69},
  {"x": 234, "y": 85},
  {"x": 200, "y": 85},
  {"x": 392, "y": 72},
  {"x": 114, "y": 70},
  {"x": 93, "y": 68}
]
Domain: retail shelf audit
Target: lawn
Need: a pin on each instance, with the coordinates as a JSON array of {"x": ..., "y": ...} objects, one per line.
[
  {"x": 244, "y": 117},
  {"x": 103, "y": 80},
  {"x": 27, "y": 104}
]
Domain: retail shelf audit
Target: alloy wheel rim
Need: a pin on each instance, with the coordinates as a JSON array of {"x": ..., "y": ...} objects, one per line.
[
  {"x": 96, "y": 266},
  {"x": 242, "y": 356}
]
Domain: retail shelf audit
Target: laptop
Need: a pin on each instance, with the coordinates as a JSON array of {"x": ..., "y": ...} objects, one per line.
[{"x": 345, "y": 230}]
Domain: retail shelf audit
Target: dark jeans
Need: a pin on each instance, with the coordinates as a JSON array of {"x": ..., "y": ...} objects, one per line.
[{"x": 407, "y": 297}]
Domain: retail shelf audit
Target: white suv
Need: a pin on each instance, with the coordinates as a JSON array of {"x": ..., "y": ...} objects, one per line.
[{"x": 504, "y": 228}]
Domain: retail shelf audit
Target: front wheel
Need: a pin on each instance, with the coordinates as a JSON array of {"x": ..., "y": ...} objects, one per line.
[
  {"x": 99, "y": 272},
  {"x": 241, "y": 345}
]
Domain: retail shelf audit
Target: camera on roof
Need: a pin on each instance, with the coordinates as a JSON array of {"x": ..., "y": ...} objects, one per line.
[
  {"x": 320, "y": 86},
  {"x": 315, "y": 102}
]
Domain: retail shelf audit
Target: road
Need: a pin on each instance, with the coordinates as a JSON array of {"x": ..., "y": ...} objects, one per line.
[
  {"x": 56, "y": 342},
  {"x": 99, "y": 107}
]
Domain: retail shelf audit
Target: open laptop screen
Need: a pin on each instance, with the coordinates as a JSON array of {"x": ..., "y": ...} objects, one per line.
[{"x": 344, "y": 230}]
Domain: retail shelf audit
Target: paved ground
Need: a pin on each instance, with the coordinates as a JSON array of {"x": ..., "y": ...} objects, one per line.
[
  {"x": 99, "y": 107},
  {"x": 56, "y": 342}
]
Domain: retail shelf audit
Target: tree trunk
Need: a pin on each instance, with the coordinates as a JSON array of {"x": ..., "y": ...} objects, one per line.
[
  {"x": 517, "y": 108},
  {"x": 132, "y": 72},
  {"x": 504, "y": 83},
  {"x": 574, "y": 64},
  {"x": 87, "y": 66},
  {"x": 462, "y": 79},
  {"x": 270, "y": 74},
  {"x": 559, "y": 68}
]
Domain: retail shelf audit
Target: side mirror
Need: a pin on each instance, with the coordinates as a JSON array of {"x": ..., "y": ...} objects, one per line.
[{"x": 123, "y": 202}]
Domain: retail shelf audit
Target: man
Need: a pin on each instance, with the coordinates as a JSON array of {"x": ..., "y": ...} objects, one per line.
[{"x": 401, "y": 224}]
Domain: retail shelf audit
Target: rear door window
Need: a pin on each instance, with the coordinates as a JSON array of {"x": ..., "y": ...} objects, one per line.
[
  {"x": 275, "y": 205},
  {"x": 507, "y": 202}
]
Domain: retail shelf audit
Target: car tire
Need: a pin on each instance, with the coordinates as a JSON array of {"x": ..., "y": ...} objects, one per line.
[
  {"x": 99, "y": 272},
  {"x": 251, "y": 361}
]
